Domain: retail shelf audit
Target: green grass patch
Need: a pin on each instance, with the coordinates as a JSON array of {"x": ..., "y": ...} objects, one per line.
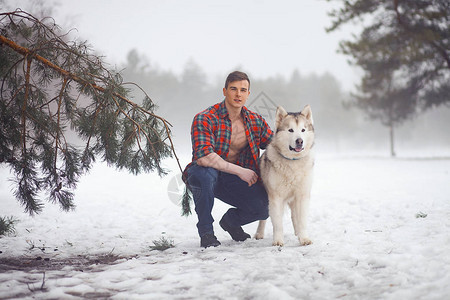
[{"x": 162, "y": 244}]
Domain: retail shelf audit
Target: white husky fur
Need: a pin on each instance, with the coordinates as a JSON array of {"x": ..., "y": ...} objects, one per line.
[{"x": 286, "y": 171}]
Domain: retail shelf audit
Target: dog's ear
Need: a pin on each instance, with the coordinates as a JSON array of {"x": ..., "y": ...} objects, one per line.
[
  {"x": 281, "y": 113},
  {"x": 307, "y": 113}
]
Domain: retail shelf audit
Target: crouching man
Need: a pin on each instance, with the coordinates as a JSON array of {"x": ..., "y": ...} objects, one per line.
[{"x": 226, "y": 139}]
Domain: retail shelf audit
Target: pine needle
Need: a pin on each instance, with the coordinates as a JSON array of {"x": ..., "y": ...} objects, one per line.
[
  {"x": 185, "y": 203},
  {"x": 7, "y": 225}
]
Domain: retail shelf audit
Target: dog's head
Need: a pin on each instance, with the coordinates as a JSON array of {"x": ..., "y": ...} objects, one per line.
[{"x": 294, "y": 132}]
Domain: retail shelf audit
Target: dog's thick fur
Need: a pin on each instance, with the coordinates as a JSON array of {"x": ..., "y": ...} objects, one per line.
[{"x": 287, "y": 171}]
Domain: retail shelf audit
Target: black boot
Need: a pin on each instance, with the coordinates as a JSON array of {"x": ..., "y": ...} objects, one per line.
[
  {"x": 208, "y": 240},
  {"x": 236, "y": 233}
]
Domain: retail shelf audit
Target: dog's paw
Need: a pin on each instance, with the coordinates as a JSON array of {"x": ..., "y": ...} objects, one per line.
[
  {"x": 305, "y": 241},
  {"x": 278, "y": 243},
  {"x": 259, "y": 236}
]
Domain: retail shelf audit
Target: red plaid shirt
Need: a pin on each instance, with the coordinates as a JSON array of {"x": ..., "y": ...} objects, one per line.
[{"x": 211, "y": 132}]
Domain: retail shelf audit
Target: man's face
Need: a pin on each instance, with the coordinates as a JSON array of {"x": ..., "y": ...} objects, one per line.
[{"x": 236, "y": 93}]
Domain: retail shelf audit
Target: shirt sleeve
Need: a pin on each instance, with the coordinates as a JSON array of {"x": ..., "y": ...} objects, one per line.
[
  {"x": 202, "y": 136},
  {"x": 266, "y": 134}
]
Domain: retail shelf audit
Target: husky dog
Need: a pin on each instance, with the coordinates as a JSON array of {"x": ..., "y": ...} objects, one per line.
[{"x": 287, "y": 170}]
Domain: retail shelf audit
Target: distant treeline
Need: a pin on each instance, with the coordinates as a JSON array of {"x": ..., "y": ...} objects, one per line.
[{"x": 338, "y": 127}]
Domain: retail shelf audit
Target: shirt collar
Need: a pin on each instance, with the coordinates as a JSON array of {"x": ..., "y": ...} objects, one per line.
[{"x": 223, "y": 112}]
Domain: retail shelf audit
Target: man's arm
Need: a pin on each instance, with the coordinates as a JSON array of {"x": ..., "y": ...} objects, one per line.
[{"x": 213, "y": 160}]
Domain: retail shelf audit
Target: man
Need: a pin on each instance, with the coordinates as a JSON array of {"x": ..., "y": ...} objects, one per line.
[{"x": 226, "y": 139}]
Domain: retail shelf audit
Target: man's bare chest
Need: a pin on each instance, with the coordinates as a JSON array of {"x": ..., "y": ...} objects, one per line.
[{"x": 238, "y": 137}]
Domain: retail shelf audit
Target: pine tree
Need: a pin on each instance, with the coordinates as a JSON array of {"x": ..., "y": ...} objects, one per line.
[
  {"x": 56, "y": 94},
  {"x": 404, "y": 51}
]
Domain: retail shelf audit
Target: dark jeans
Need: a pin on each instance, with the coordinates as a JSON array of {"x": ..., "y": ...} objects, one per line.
[{"x": 249, "y": 203}]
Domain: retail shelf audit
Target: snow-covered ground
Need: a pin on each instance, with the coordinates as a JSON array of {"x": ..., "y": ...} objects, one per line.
[{"x": 368, "y": 241}]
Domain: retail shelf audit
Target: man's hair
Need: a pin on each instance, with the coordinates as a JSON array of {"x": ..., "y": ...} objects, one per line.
[{"x": 237, "y": 76}]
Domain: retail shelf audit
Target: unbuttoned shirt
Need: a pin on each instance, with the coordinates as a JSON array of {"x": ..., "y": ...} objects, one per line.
[{"x": 211, "y": 132}]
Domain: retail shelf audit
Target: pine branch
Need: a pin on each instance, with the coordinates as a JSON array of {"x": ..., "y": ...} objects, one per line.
[
  {"x": 66, "y": 74},
  {"x": 165, "y": 125},
  {"x": 126, "y": 134},
  {"x": 24, "y": 106},
  {"x": 28, "y": 53}
]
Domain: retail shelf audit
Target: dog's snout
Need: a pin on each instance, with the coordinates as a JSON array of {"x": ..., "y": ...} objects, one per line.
[{"x": 299, "y": 142}]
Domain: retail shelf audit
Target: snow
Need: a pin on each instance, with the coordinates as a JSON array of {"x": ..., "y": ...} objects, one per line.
[{"x": 368, "y": 241}]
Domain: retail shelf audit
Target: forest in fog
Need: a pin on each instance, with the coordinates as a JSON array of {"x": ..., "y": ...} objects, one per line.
[{"x": 340, "y": 128}]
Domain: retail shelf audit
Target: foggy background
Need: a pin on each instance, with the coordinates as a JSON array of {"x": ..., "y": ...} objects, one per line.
[{"x": 180, "y": 53}]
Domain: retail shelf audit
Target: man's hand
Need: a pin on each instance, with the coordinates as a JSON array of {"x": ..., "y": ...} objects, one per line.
[
  {"x": 248, "y": 176},
  {"x": 215, "y": 161}
]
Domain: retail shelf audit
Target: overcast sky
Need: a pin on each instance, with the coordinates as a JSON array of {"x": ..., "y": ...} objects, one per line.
[{"x": 261, "y": 37}]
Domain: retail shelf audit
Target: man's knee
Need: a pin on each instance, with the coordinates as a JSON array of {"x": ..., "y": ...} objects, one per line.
[{"x": 202, "y": 177}]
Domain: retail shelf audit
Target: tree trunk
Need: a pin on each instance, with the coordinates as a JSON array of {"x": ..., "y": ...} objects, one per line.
[{"x": 391, "y": 134}]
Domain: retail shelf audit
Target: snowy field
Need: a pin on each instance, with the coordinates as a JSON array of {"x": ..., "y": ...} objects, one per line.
[{"x": 369, "y": 242}]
